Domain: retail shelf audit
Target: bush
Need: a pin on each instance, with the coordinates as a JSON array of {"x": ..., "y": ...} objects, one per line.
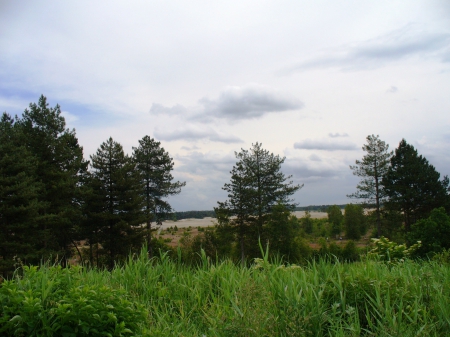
[
  {"x": 390, "y": 251},
  {"x": 54, "y": 302}
]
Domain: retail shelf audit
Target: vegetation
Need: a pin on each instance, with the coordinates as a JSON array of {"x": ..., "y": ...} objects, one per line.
[
  {"x": 52, "y": 201},
  {"x": 373, "y": 166},
  {"x": 154, "y": 165},
  {"x": 256, "y": 185},
  {"x": 162, "y": 297},
  {"x": 413, "y": 186},
  {"x": 218, "y": 281}
]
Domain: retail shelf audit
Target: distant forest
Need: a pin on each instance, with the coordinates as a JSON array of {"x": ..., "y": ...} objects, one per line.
[{"x": 212, "y": 214}]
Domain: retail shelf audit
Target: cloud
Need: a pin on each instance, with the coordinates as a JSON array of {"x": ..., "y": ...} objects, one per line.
[
  {"x": 314, "y": 157},
  {"x": 158, "y": 109},
  {"x": 195, "y": 134},
  {"x": 302, "y": 172},
  {"x": 70, "y": 118},
  {"x": 190, "y": 148},
  {"x": 337, "y": 135},
  {"x": 205, "y": 164},
  {"x": 392, "y": 90},
  {"x": 309, "y": 144},
  {"x": 247, "y": 102},
  {"x": 399, "y": 44},
  {"x": 233, "y": 104}
]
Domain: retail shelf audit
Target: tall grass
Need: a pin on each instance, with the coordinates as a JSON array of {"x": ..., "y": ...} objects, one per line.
[{"x": 168, "y": 298}]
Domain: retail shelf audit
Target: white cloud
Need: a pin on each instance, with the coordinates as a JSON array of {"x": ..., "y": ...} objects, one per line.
[{"x": 410, "y": 41}]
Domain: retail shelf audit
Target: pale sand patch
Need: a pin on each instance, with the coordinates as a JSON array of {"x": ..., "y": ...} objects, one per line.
[{"x": 205, "y": 222}]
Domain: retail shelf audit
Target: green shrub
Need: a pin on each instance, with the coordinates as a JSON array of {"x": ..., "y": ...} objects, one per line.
[
  {"x": 53, "y": 301},
  {"x": 390, "y": 251}
]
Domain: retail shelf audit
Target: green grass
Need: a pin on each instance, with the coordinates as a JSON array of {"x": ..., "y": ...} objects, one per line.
[{"x": 161, "y": 297}]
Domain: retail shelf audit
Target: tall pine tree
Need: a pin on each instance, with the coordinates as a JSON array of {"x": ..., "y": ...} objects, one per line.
[
  {"x": 257, "y": 185},
  {"x": 413, "y": 185},
  {"x": 19, "y": 203},
  {"x": 154, "y": 166},
  {"x": 371, "y": 169},
  {"x": 116, "y": 192},
  {"x": 59, "y": 163}
]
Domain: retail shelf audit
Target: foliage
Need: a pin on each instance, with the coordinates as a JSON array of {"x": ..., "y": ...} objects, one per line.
[
  {"x": 433, "y": 233},
  {"x": 154, "y": 166},
  {"x": 413, "y": 186},
  {"x": 58, "y": 165},
  {"x": 390, "y": 251},
  {"x": 335, "y": 218},
  {"x": 282, "y": 229},
  {"x": 53, "y": 301},
  {"x": 256, "y": 185},
  {"x": 323, "y": 298},
  {"x": 307, "y": 223},
  {"x": 371, "y": 169},
  {"x": 19, "y": 202},
  {"x": 117, "y": 202},
  {"x": 354, "y": 222}
]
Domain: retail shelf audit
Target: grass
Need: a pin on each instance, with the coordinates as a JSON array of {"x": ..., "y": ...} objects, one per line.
[{"x": 164, "y": 297}]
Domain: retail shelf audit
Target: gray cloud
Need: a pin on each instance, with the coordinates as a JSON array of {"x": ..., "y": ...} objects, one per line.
[
  {"x": 309, "y": 144},
  {"x": 406, "y": 42},
  {"x": 195, "y": 134},
  {"x": 301, "y": 172},
  {"x": 314, "y": 157},
  {"x": 338, "y": 135},
  {"x": 206, "y": 164},
  {"x": 248, "y": 102}
]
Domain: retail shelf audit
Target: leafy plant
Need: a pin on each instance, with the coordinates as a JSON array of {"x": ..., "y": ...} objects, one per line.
[{"x": 390, "y": 251}]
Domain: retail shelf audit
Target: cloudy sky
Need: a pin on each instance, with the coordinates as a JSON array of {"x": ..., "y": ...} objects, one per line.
[{"x": 307, "y": 79}]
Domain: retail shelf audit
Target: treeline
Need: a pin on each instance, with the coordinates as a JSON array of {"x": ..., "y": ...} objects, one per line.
[
  {"x": 52, "y": 201},
  {"x": 194, "y": 215},
  {"x": 212, "y": 213},
  {"x": 317, "y": 208},
  {"x": 405, "y": 199}
]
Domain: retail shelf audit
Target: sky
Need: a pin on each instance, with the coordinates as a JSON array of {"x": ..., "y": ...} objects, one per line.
[{"x": 310, "y": 80}]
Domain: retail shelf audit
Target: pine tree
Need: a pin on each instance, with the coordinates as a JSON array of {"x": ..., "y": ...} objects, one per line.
[
  {"x": 118, "y": 203},
  {"x": 413, "y": 186},
  {"x": 240, "y": 205},
  {"x": 59, "y": 165},
  {"x": 19, "y": 204},
  {"x": 154, "y": 166},
  {"x": 268, "y": 185},
  {"x": 371, "y": 169},
  {"x": 257, "y": 185}
]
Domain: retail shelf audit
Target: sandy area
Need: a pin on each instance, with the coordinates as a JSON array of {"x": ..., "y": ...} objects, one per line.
[{"x": 205, "y": 222}]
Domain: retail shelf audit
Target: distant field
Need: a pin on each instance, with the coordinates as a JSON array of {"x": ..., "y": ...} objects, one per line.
[{"x": 205, "y": 222}]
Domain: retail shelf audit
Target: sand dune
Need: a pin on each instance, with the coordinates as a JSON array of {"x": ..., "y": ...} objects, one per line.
[{"x": 205, "y": 222}]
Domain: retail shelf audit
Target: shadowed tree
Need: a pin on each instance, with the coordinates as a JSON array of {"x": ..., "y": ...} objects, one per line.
[
  {"x": 154, "y": 166},
  {"x": 413, "y": 185},
  {"x": 116, "y": 191},
  {"x": 335, "y": 218},
  {"x": 257, "y": 184},
  {"x": 371, "y": 169},
  {"x": 354, "y": 222},
  {"x": 59, "y": 163},
  {"x": 19, "y": 203}
]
